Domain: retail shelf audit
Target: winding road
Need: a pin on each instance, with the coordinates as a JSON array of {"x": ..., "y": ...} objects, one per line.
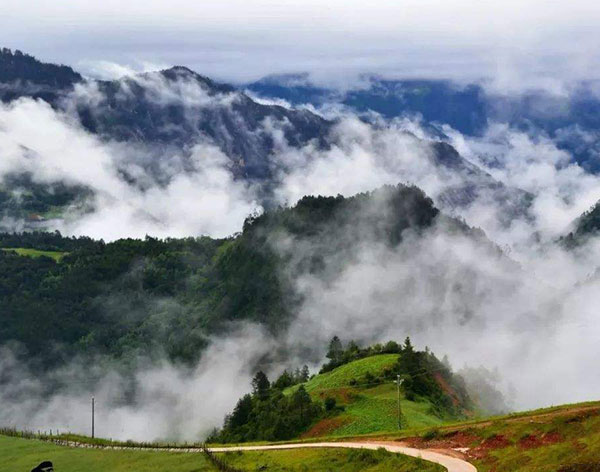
[
  {"x": 449, "y": 459},
  {"x": 453, "y": 464}
]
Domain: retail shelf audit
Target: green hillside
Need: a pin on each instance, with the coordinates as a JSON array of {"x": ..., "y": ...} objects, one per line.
[
  {"x": 355, "y": 393},
  {"x": 369, "y": 408},
  {"x": 345, "y": 374},
  {"x": 22, "y": 455}
]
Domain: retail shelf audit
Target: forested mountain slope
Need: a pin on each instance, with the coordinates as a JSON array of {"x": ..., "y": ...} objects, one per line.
[{"x": 134, "y": 297}]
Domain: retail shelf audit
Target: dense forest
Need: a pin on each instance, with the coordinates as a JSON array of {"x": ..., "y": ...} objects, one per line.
[{"x": 140, "y": 297}]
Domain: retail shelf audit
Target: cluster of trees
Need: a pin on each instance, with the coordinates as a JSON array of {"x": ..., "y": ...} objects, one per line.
[
  {"x": 48, "y": 241},
  {"x": 428, "y": 377},
  {"x": 106, "y": 298},
  {"x": 289, "y": 379},
  {"x": 339, "y": 355},
  {"x": 26, "y": 76},
  {"x": 130, "y": 296},
  {"x": 269, "y": 414}
]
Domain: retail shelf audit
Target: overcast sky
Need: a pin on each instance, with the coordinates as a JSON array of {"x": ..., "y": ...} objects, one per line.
[{"x": 517, "y": 43}]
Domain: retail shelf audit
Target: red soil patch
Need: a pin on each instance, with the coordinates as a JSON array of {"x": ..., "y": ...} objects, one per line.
[
  {"x": 452, "y": 440},
  {"x": 497, "y": 441},
  {"x": 490, "y": 444},
  {"x": 461, "y": 438},
  {"x": 324, "y": 427},
  {"x": 552, "y": 438},
  {"x": 341, "y": 395},
  {"x": 446, "y": 388},
  {"x": 531, "y": 441}
]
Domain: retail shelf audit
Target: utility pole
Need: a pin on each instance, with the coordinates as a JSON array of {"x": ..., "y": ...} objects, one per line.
[
  {"x": 399, "y": 382},
  {"x": 93, "y": 405}
]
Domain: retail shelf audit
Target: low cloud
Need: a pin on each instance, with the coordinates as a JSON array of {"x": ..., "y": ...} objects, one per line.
[
  {"x": 532, "y": 321},
  {"x": 159, "y": 401},
  {"x": 205, "y": 199},
  {"x": 561, "y": 189}
]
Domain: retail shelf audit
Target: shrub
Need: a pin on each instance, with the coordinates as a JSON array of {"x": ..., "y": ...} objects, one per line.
[
  {"x": 363, "y": 456},
  {"x": 329, "y": 403},
  {"x": 431, "y": 435}
]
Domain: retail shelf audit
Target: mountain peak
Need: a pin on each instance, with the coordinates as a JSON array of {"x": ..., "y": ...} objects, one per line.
[{"x": 182, "y": 72}]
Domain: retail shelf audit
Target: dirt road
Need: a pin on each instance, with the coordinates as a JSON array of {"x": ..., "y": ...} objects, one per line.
[
  {"x": 453, "y": 464},
  {"x": 449, "y": 459}
]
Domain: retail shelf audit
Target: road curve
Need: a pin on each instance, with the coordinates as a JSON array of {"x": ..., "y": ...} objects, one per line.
[{"x": 453, "y": 464}]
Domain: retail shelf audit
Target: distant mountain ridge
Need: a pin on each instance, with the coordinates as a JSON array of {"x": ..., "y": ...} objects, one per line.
[
  {"x": 571, "y": 119},
  {"x": 197, "y": 108},
  {"x": 177, "y": 108},
  {"x": 193, "y": 108},
  {"x": 436, "y": 100}
]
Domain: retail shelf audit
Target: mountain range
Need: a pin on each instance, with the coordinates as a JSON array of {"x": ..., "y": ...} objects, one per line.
[
  {"x": 570, "y": 117},
  {"x": 173, "y": 110}
]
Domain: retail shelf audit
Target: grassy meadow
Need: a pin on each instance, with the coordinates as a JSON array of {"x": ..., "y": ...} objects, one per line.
[
  {"x": 22, "y": 455},
  {"x": 366, "y": 408},
  {"x": 328, "y": 460},
  {"x": 27, "y": 252}
]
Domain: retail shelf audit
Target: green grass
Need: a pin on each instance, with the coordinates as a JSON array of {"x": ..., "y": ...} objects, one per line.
[
  {"x": 376, "y": 409},
  {"x": 544, "y": 440},
  {"x": 21, "y": 251},
  {"x": 328, "y": 460},
  {"x": 21, "y": 455},
  {"x": 342, "y": 376},
  {"x": 543, "y": 445},
  {"x": 367, "y": 409}
]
